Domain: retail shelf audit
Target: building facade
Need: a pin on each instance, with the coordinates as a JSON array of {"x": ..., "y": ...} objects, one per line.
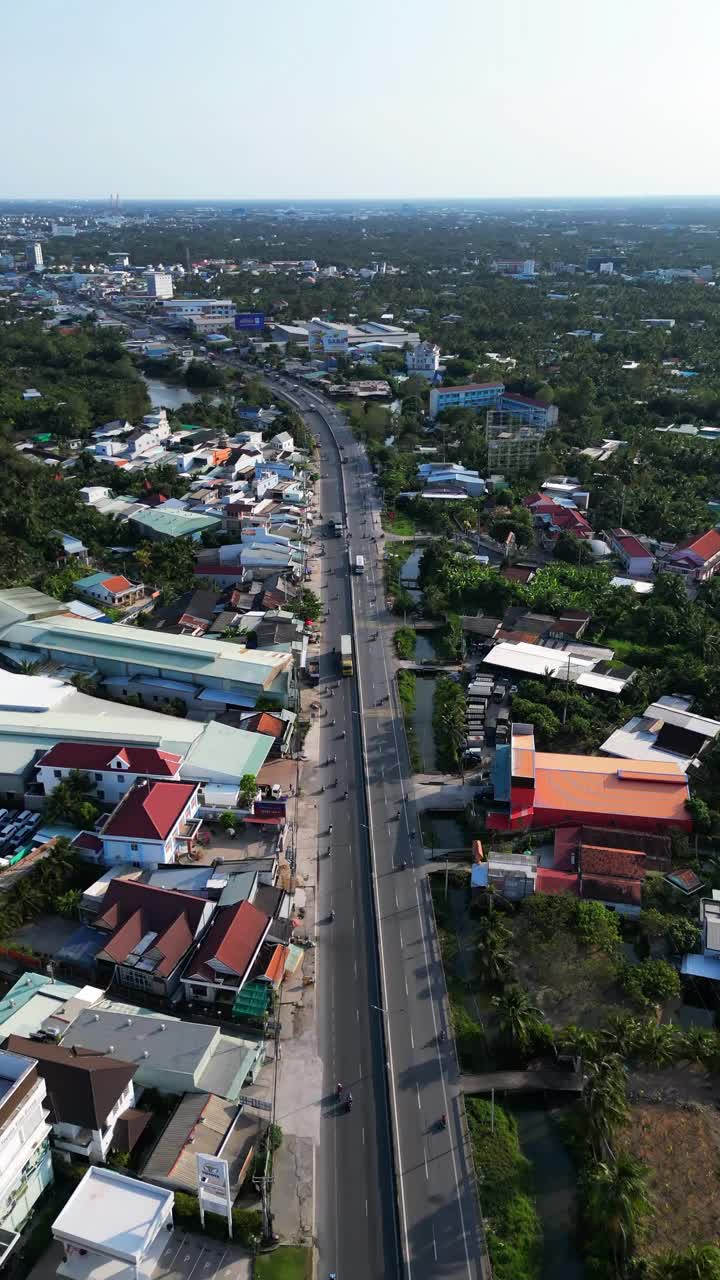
[
  {"x": 424, "y": 360},
  {"x": 25, "y": 1162},
  {"x": 159, "y": 284}
]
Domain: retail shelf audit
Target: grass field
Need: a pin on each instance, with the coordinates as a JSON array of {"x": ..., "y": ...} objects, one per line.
[
  {"x": 403, "y": 525},
  {"x": 289, "y": 1262}
]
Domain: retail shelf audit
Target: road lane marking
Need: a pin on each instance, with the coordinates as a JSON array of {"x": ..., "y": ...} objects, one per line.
[
  {"x": 417, "y": 1087},
  {"x": 412, "y": 1038},
  {"x": 427, "y": 1174}
]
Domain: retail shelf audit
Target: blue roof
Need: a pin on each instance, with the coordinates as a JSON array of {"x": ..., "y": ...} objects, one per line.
[
  {"x": 701, "y": 967},
  {"x": 500, "y": 774}
]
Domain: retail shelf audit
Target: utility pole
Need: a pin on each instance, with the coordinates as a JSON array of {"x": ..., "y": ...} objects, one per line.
[{"x": 567, "y": 690}]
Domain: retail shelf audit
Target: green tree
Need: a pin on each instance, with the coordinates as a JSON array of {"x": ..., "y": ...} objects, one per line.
[
  {"x": 493, "y": 956},
  {"x": 620, "y": 1202},
  {"x": 72, "y": 801},
  {"x": 604, "y": 1101},
  {"x": 651, "y": 982},
  {"x": 519, "y": 1018},
  {"x": 247, "y": 790}
]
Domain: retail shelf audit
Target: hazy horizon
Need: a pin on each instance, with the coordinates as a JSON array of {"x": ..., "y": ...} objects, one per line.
[{"x": 564, "y": 100}]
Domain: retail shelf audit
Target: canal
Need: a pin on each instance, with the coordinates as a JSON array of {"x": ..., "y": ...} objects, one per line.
[
  {"x": 171, "y": 395},
  {"x": 555, "y": 1179}
]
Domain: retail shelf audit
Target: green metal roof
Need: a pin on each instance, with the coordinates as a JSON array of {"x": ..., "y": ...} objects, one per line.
[{"x": 252, "y": 1001}]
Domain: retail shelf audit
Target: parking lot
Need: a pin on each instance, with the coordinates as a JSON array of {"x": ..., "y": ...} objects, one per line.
[{"x": 185, "y": 1257}]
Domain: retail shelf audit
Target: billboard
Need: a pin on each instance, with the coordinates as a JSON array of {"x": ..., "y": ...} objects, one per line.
[
  {"x": 253, "y": 320},
  {"x": 269, "y": 808},
  {"x": 212, "y": 1175}
]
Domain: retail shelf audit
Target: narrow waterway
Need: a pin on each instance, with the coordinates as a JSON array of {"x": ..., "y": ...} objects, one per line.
[
  {"x": 409, "y": 573},
  {"x": 555, "y": 1190},
  {"x": 168, "y": 395},
  {"x": 422, "y": 721}
]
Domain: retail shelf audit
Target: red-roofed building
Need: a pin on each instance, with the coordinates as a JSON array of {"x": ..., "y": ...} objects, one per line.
[
  {"x": 224, "y": 960},
  {"x": 114, "y": 770},
  {"x": 544, "y": 789},
  {"x": 697, "y": 559},
  {"x": 151, "y": 933},
  {"x": 637, "y": 561},
  {"x": 111, "y": 589},
  {"x": 557, "y": 517},
  {"x": 153, "y": 824}
]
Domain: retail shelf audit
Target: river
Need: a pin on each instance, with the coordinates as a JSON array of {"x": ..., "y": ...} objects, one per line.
[
  {"x": 409, "y": 573},
  {"x": 171, "y": 395}
]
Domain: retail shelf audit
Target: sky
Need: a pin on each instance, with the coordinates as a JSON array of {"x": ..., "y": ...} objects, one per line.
[{"x": 293, "y": 99}]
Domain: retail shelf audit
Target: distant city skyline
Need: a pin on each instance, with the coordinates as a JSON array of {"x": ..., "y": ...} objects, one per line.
[{"x": 468, "y": 100}]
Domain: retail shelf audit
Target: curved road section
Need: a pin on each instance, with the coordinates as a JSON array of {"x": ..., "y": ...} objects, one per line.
[{"x": 396, "y": 1190}]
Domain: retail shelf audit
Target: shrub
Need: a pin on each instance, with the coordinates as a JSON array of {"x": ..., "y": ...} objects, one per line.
[
  {"x": 513, "y": 1226},
  {"x": 404, "y": 640},
  {"x": 651, "y": 982}
]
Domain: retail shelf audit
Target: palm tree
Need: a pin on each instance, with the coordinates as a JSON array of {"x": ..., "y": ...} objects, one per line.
[
  {"x": 577, "y": 1040},
  {"x": 620, "y": 1201},
  {"x": 494, "y": 960},
  {"x": 29, "y": 666},
  {"x": 518, "y": 1016},
  {"x": 660, "y": 1043},
  {"x": 604, "y": 1101}
]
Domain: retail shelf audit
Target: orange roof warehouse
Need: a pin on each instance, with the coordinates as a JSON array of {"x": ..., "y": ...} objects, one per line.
[{"x": 540, "y": 789}]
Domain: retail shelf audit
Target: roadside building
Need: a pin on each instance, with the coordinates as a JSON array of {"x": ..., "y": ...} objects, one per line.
[
  {"x": 423, "y": 360},
  {"x": 203, "y": 1124},
  {"x": 113, "y": 1226},
  {"x": 91, "y": 1099},
  {"x": 26, "y": 1168},
  {"x": 171, "y": 1056},
  {"x": 471, "y": 395},
  {"x": 220, "y": 967},
  {"x": 155, "y": 823},
  {"x": 148, "y": 935},
  {"x": 542, "y": 789},
  {"x": 159, "y": 284}
]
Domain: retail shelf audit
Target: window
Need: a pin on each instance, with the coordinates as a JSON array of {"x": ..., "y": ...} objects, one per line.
[
  {"x": 98, "y": 777},
  {"x": 100, "y": 794},
  {"x": 121, "y": 780},
  {"x": 134, "y": 848},
  {"x": 57, "y": 773}
]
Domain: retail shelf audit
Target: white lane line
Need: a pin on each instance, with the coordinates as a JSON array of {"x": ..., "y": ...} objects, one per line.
[
  {"x": 396, "y": 903},
  {"x": 357, "y": 1015},
  {"x": 412, "y": 1038},
  {"x": 406, "y": 987},
  {"x": 417, "y": 1087},
  {"x": 355, "y": 967},
  {"x": 363, "y": 1135},
  {"x": 427, "y": 1174},
  {"x": 434, "y": 1244}
]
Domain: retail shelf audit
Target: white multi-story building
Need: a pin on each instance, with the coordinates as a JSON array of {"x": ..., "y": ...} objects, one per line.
[
  {"x": 159, "y": 284},
  {"x": 200, "y": 312},
  {"x": 113, "y": 768},
  {"x": 424, "y": 360},
  {"x": 34, "y": 255},
  {"x": 25, "y": 1163}
]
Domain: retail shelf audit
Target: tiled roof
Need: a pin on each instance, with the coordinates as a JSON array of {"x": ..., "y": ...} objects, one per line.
[
  {"x": 150, "y": 810},
  {"x": 117, "y": 584},
  {"x": 232, "y": 941},
  {"x": 99, "y": 756},
  {"x": 704, "y": 545},
  {"x": 267, "y": 723},
  {"x": 132, "y": 911},
  {"x": 549, "y": 881},
  {"x": 512, "y": 395},
  {"x": 622, "y": 864},
  {"x": 612, "y": 889}
]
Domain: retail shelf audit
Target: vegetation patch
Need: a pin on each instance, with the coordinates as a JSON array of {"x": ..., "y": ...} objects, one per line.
[
  {"x": 449, "y": 723},
  {"x": 404, "y": 641},
  {"x": 289, "y": 1262},
  {"x": 513, "y": 1228},
  {"x": 679, "y": 1146}
]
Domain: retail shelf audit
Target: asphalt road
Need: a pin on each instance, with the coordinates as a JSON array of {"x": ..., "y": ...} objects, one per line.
[{"x": 438, "y": 1221}]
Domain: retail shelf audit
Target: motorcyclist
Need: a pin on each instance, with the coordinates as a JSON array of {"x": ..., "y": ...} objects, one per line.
[
  {"x": 332, "y": 913},
  {"x": 338, "y": 1088},
  {"x": 443, "y": 1121},
  {"x": 330, "y": 828}
]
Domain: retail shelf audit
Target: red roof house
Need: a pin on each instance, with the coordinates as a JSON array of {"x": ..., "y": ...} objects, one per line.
[
  {"x": 222, "y": 963},
  {"x": 153, "y": 824},
  {"x": 151, "y": 932},
  {"x": 698, "y": 558}
]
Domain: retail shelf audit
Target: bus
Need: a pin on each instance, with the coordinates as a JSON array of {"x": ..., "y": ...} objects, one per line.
[{"x": 346, "y": 655}]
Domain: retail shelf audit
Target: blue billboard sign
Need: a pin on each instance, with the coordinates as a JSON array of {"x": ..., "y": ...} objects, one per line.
[{"x": 254, "y": 320}]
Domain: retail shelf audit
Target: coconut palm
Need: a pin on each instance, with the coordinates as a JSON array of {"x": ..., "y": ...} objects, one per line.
[
  {"x": 518, "y": 1016},
  {"x": 604, "y": 1101},
  {"x": 493, "y": 958},
  {"x": 620, "y": 1201}
]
